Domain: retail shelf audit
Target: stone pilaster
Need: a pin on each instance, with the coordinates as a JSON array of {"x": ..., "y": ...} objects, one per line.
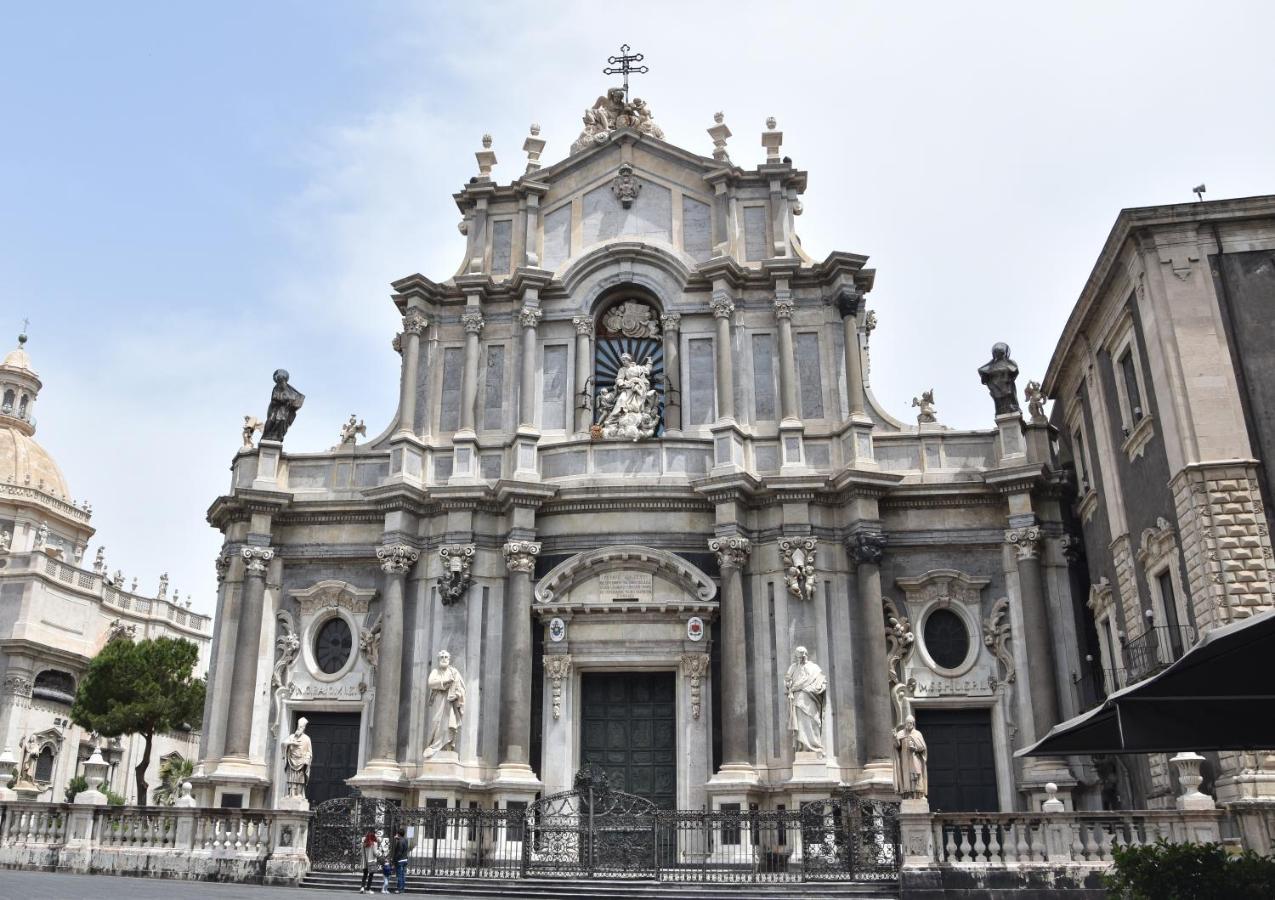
[
  {"x": 243, "y": 683},
  {"x": 396, "y": 561},
  {"x": 474, "y": 323},
  {"x": 723, "y": 311},
  {"x": 866, "y": 549},
  {"x": 515, "y": 672},
  {"x": 414, "y": 324},
  {"x": 1026, "y": 543},
  {"x": 584, "y": 365},
  {"x": 672, "y": 323},
  {"x": 849, "y": 304},
  {"x": 732, "y": 556}
]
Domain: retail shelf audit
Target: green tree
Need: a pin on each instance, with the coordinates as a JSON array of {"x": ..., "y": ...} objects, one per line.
[
  {"x": 173, "y": 770},
  {"x": 143, "y": 687}
]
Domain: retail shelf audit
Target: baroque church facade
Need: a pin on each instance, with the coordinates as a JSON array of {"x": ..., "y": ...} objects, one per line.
[
  {"x": 58, "y": 608},
  {"x": 639, "y": 491}
]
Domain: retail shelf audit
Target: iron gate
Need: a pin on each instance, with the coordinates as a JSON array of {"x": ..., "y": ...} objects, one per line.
[{"x": 594, "y": 832}]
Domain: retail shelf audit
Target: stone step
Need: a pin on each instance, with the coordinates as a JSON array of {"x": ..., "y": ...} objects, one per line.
[{"x": 607, "y": 889}]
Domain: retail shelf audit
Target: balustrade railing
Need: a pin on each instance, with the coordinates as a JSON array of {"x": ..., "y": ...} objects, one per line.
[{"x": 1155, "y": 649}]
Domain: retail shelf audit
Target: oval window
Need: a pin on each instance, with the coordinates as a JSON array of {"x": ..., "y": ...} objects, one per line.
[
  {"x": 332, "y": 645},
  {"x": 946, "y": 638}
]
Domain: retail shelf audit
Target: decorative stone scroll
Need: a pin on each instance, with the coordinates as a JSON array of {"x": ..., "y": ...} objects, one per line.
[
  {"x": 221, "y": 564},
  {"x": 799, "y": 566},
  {"x": 398, "y": 559},
  {"x": 900, "y": 641},
  {"x": 330, "y": 593},
  {"x": 287, "y": 645},
  {"x": 457, "y": 572},
  {"x": 520, "y": 556},
  {"x": 695, "y": 667},
  {"x": 370, "y": 645},
  {"x": 996, "y": 637},
  {"x": 732, "y": 552},
  {"x": 1025, "y": 541},
  {"x": 255, "y": 559},
  {"x": 557, "y": 667}
]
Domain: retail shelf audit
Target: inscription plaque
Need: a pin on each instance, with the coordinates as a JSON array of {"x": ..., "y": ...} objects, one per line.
[{"x": 629, "y": 585}]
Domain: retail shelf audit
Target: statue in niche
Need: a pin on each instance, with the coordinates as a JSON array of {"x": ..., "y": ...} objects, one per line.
[
  {"x": 297, "y": 756},
  {"x": 635, "y": 412},
  {"x": 446, "y": 706},
  {"x": 807, "y": 688},
  {"x": 910, "y": 775},
  {"x": 1000, "y": 375},
  {"x": 285, "y": 400},
  {"x": 632, "y": 318}
]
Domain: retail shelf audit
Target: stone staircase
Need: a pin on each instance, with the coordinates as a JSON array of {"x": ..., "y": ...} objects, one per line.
[{"x": 603, "y": 889}]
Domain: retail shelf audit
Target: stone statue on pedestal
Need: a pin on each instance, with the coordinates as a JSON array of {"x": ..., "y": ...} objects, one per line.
[
  {"x": 297, "y": 756},
  {"x": 910, "y": 753},
  {"x": 446, "y": 706},
  {"x": 285, "y": 400},
  {"x": 1000, "y": 374},
  {"x": 806, "y": 687}
]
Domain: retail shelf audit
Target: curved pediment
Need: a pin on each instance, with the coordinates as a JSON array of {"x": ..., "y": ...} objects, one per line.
[{"x": 625, "y": 573}]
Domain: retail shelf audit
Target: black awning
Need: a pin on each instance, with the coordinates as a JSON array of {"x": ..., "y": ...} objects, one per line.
[{"x": 1219, "y": 696}]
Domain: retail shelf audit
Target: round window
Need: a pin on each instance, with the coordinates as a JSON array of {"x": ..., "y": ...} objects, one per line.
[
  {"x": 946, "y": 638},
  {"x": 332, "y": 645}
]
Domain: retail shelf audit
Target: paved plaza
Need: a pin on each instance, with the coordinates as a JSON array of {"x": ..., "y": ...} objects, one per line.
[{"x": 57, "y": 886}]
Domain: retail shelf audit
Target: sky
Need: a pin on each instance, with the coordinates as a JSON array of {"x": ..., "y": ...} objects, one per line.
[{"x": 194, "y": 195}]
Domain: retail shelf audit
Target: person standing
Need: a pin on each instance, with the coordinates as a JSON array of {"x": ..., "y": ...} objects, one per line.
[
  {"x": 369, "y": 852},
  {"x": 400, "y": 859}
]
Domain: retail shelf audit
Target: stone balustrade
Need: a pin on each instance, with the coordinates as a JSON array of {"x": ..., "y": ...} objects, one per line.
[{"x": 257, "y": 846}]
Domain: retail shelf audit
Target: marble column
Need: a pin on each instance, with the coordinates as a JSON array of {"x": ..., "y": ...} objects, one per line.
[
  {"x": 732, "y": 555},
  {"x": 672, "y": 323},
  {"x": 529, "y": 319},
  {"x": 473, "y": 322},
  {"x": 1040, "y": 648},
  {"x": 866, "y": 549},
  {"x": 584, "y": 367},
  {"x": 414, "y": 323},
  {"x": 396, "y": 562},
  {"x": 788, "y": 409},
  {"x": 243, "y": 681},
  {"x": 723, "y": 308},
  {"x": 848, "y": 305},
  {"x": 515, "y": 670}
]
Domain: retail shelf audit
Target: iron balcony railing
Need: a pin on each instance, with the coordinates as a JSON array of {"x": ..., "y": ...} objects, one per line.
[{"x": 1155, "y": 649}]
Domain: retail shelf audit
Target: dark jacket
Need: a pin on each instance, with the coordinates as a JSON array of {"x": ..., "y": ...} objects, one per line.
[{"x": 400, "y": 848}]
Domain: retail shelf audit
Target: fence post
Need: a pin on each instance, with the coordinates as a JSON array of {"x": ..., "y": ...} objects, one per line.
[
  {"x": 916, "y": 833},
  {"x": 1057, "y": 834},
  {"x": 524, "y": 813}
]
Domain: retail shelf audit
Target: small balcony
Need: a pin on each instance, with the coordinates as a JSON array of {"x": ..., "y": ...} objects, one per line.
[{"x": 1155, "y": 649}]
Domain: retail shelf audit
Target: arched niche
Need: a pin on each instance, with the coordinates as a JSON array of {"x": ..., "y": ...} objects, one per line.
[{"x": 611, "y": 576}]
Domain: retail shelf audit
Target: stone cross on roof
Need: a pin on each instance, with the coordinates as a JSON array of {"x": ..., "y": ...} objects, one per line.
[{"x": 622, "y": 65}]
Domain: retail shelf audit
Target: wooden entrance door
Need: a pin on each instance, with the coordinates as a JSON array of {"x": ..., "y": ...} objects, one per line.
[
  {"x": 962, "y": 766},
  {"x": 334, "y": 738},
  {"x": 628, "y": 728}
]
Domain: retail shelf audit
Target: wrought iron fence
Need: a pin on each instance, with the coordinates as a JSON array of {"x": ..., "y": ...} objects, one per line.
[
  {"x": 1156, "y": 648},
  {"x": 610, "y": 834}
]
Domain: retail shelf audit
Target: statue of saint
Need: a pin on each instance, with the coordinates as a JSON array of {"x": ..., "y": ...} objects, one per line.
[
  {"x": 285, "y": 400},
  {"x": 297, "y": 756},
  {"x": 807, "y": 688},
  {"x": 910, "y": 776},
  {"x": 446, "y": 705},
  {"x": 999, "y": 375},
  {"x": 634, "y": 414}
]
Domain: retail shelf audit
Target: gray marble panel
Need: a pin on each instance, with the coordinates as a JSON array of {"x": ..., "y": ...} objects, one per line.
[
  {"x": 494, "y": 393},
  {"x": 557, "y": 244},
  {"x": 629, "y": 461},
  {"x": 684, "y": 460},
  {"x": 650, "y": 217},
  {"x": 809, "y": 375},
  {"x": 553, "y": 406},
  {"x": 371, "y": 473},
  {"x": 766, "y": 457},
  {"x": 818, "y": 454},
  {"x": 968, "y": 454},
  {"x": 489, "y": 465},
  {"x": 246, "y": 473},
  {"x": 755, "y": 233},
  {"x": 699, "y": 360},
  {"x": 453, "y": 368},
  {"x": 763, "y": 377},
  {"x": 422, "y": 388},
  {"x": 898, "y": 457},
  {"x": 697, "y": 238},
  {"x": 560, "y": 465},
  {"x": 442, "y": 467},
  {"x": 839, "y": 358},
  {"x": 932, "y": 457},
  {"x": 502, "y": 247},
  {"x": 314, "y": 475}
]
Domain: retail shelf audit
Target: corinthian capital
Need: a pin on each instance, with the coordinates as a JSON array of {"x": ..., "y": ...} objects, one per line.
[
  {"x": 732, "y": 552},
  {"x": 1025, "y": 540},
  {"x": 529, "y": 317},
  {"x": 520, "y": 556},
  {"x": 583, "y": 324},
  {"x": 222, "y": 563},
  {"x": 414, "y": 322},
  {"x": 722, "y": 306},
  {"x": 255, "y": 559},
  {"x": 783, "y": 309},
  {"x": 867, "y": 547},
  {"x": 473, "y": 322},
  {"x": 671, "y": 321},
  {"x": 398, "y": 559}
]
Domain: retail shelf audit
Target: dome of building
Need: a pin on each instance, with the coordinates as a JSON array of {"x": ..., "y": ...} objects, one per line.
[
  {"x": 24, "y": 462},
  {"x": 18, "y": 359}
]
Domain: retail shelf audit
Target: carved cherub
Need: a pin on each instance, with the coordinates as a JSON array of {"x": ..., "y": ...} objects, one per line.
[
  {"x": 928, "y": 414},
  {"x": 1035, "y": 398}
]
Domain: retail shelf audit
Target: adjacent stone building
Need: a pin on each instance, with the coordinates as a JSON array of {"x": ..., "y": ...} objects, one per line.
[
  {"x": 636, "y": 464},
  {"x": 58, "y": 609},
  {"x": 1164, "y": 387}
]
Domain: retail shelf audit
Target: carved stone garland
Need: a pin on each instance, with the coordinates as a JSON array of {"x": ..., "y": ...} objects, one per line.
[
  {"x": 457, "y": 572},
  {"x": 695, "y": 667},
  {"x": 899, "y": 644},
  {"x": 287, "y": 645},
  {"x": 799, "y": 566},
  {"x": 557, "y": 667},
  {"x": 996, "y": 637}
]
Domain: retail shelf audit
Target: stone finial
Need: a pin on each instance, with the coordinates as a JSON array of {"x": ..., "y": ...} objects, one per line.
[
  {"x": 719, "y": 133},
  {"x": 772, "y": 140},
  {"x": 1190, "y": 779},
  {"x": 533, "y": 146},
  {"x": 1053, "y": 804},
  {"x": 486, "y": 141},
  {"x": 486, "y": 159}
]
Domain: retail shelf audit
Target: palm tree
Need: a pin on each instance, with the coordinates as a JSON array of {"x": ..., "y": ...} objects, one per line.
[{"x": 173, "y": 770}]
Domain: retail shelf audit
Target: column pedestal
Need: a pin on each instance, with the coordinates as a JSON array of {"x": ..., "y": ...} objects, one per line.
[{"x": 464, "y": 458}]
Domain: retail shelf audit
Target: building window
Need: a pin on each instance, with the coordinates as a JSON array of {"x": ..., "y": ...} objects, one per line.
[
  {"x": 1132, "y": 391},
  {"x": 54, "y": 685},
  {"x": 8, "y": 402},
  {"x": 1167, "y": 632},
  {"x": 44, "y": 765},
  {"x": 947, "y": 640},
  {"x": 332, "y": 645}
]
